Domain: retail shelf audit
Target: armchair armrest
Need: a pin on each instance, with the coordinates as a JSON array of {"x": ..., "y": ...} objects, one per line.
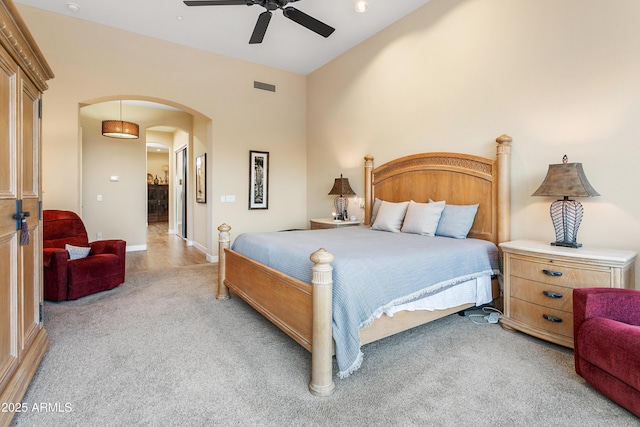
[
  {"x": 55, "y": 257},
  {"x": 621, "y": 305},
  {"x": 116, "y": 247},
  {"x": 55, "y": 262}
]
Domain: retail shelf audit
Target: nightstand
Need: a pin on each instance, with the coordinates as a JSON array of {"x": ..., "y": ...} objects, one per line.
[
  {"x": 539, "y": 280},
  {"x": 317, "y": 224}
]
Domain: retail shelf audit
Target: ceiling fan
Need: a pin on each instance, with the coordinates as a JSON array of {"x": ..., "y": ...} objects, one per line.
[{"x": 263, "y": 19}]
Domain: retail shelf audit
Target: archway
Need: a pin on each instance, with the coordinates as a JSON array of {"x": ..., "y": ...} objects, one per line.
[{"x": 116, "y": 170}]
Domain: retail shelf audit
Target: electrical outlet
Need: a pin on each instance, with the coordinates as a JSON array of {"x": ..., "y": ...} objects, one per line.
[{"x": 98, "y": 235}]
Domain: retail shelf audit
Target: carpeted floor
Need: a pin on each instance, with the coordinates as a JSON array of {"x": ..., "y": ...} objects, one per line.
[{"x": 160, "y": 350}]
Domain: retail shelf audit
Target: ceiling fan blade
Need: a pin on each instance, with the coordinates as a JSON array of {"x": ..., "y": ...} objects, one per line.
[
  {"x": 219, "y": 3},
  {"x": 260, "y": 28},
  {"x": 307, "y": 21}
]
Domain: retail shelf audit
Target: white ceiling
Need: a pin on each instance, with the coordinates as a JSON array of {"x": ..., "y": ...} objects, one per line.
[{"x": 226, "y": 29}]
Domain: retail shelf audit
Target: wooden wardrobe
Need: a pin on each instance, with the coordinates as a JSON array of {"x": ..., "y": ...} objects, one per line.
[{"x": 23, "y": 339}]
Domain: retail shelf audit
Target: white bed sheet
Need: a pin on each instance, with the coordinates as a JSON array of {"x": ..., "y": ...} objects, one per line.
[{"x": 477, "y": 291}]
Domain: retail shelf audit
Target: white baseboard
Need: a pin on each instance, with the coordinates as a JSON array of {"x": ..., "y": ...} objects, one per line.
[
  {"x": 198, "y": 246},
  {"x": 136, "y": 248}
]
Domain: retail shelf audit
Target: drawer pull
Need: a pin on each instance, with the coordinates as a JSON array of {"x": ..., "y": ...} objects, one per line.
[
  {"x": 552, "y": 294},
  {"x": 552, "y": 273},
  {"x": 552, "y": 319}
]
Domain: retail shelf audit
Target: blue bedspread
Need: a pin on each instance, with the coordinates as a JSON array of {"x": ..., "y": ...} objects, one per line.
[{"x": 373, "y": 270}]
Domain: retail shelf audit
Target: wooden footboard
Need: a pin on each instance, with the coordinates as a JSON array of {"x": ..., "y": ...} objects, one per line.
[
  {"x": 300, "y": 310},
  {"x": 285, "y": 301}
]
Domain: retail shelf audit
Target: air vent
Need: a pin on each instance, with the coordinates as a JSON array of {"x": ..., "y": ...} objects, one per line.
[{"x": 264, "y": 86}]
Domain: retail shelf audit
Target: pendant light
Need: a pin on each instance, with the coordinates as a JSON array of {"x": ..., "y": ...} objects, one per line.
[{"x": 119, "y": 128}]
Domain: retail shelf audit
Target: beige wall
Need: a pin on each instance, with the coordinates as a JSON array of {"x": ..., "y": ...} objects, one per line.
[
  {"x": 93, "y": 62},
  {"x": 560, "y": 77},
  {"x": 155, "y": 162},
  {"x": 157, "y": 159}
]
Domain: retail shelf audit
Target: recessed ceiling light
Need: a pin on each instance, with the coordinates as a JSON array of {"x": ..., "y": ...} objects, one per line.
[
  {"x": 73, "y": 7},
  {"x": 179, "y": 18},
  {"x": 361, "y": 6}
]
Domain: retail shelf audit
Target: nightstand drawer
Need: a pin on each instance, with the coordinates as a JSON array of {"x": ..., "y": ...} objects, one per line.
[
  {"x": 561, "y": 275},
  {"x": 552, "y": 296},
  {"x": 556, "y": 321}
]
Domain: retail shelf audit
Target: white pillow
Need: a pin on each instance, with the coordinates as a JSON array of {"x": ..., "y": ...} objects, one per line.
[
  {"x": 422, "y": 218},
  {"x": 390, "y": 216},
  {"x": 77, "y": 252}
]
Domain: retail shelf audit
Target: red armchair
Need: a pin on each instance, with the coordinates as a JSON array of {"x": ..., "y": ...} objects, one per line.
[
  {"x": 68, "y": 279},
  {"x": 606, "y": 333}
]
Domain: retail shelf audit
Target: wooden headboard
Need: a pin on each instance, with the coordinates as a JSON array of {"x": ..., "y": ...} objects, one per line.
[{"x": 459, "y": 179}]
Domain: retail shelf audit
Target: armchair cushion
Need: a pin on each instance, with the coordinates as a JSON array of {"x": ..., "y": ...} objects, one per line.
[
  {"x": 607, "y": 342},
  {"x": 67, "y": 277}
]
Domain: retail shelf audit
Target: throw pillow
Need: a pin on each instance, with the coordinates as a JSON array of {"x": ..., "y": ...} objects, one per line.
[
  {"x": 390, "y": 216},
  {"x": 422, "y": 218},
  {"x": 456, "y": 221},
  {"x": 77, "y": 252}
]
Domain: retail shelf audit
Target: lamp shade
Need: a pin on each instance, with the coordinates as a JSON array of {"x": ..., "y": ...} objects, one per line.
[
  {"x": 120, "y": 129},
  {"x": 341, "y": 187},
  {"x": 566, "y": 180}
]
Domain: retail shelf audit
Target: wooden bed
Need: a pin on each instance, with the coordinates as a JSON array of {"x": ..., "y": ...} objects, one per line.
[{"x": 304, "y": 311}]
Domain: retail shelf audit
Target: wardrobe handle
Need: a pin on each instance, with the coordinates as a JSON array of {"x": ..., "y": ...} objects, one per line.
[
  {"x": 552, "y": 273},
  {"x": 552, "y": 294},
  {"x": 552, "y": 319},
  {"x": 21, "y": 215}
]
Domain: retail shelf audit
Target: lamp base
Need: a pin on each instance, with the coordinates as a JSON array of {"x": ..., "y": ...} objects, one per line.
[
  {"x": 566, "y": 244},
  {"x": 341, "y": 203},
  {"x": 566, "y": 216}
]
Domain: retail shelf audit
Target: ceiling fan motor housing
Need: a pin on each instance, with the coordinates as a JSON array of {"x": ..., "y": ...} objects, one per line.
[
  {"x": 260, "y": 28},
  {"x": 269, "y": 4}
]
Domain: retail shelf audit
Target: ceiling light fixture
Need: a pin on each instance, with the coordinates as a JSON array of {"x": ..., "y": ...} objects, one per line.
[
  {"x": 361, "y": 6},
  {"x": 119, "y": 128},
  {"x": 73, "y": 7}
]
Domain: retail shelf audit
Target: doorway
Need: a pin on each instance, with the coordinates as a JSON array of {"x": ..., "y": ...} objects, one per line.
[{"x": 180, "y": 195}]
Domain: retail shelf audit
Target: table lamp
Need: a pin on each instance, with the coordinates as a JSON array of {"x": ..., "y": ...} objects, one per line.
[
  {"x": 566, "y": 180},
  {"x": 341, "y": 188}
]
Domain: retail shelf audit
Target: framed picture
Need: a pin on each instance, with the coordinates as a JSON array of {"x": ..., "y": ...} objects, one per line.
[
  {"x": 258, "y": 180},
  {"x": 201, "y": 178}
]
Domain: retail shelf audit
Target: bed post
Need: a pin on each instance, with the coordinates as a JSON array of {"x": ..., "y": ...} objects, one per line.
[
  {"x": 368, "y": 188},
  {"x": 504, "y": 187},
  {"x": 321, "y": 344},
  {"x": 224, "y": 239}
]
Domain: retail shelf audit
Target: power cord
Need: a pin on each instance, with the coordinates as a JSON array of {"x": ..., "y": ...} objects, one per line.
[{"x": 491, "y": 318}]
